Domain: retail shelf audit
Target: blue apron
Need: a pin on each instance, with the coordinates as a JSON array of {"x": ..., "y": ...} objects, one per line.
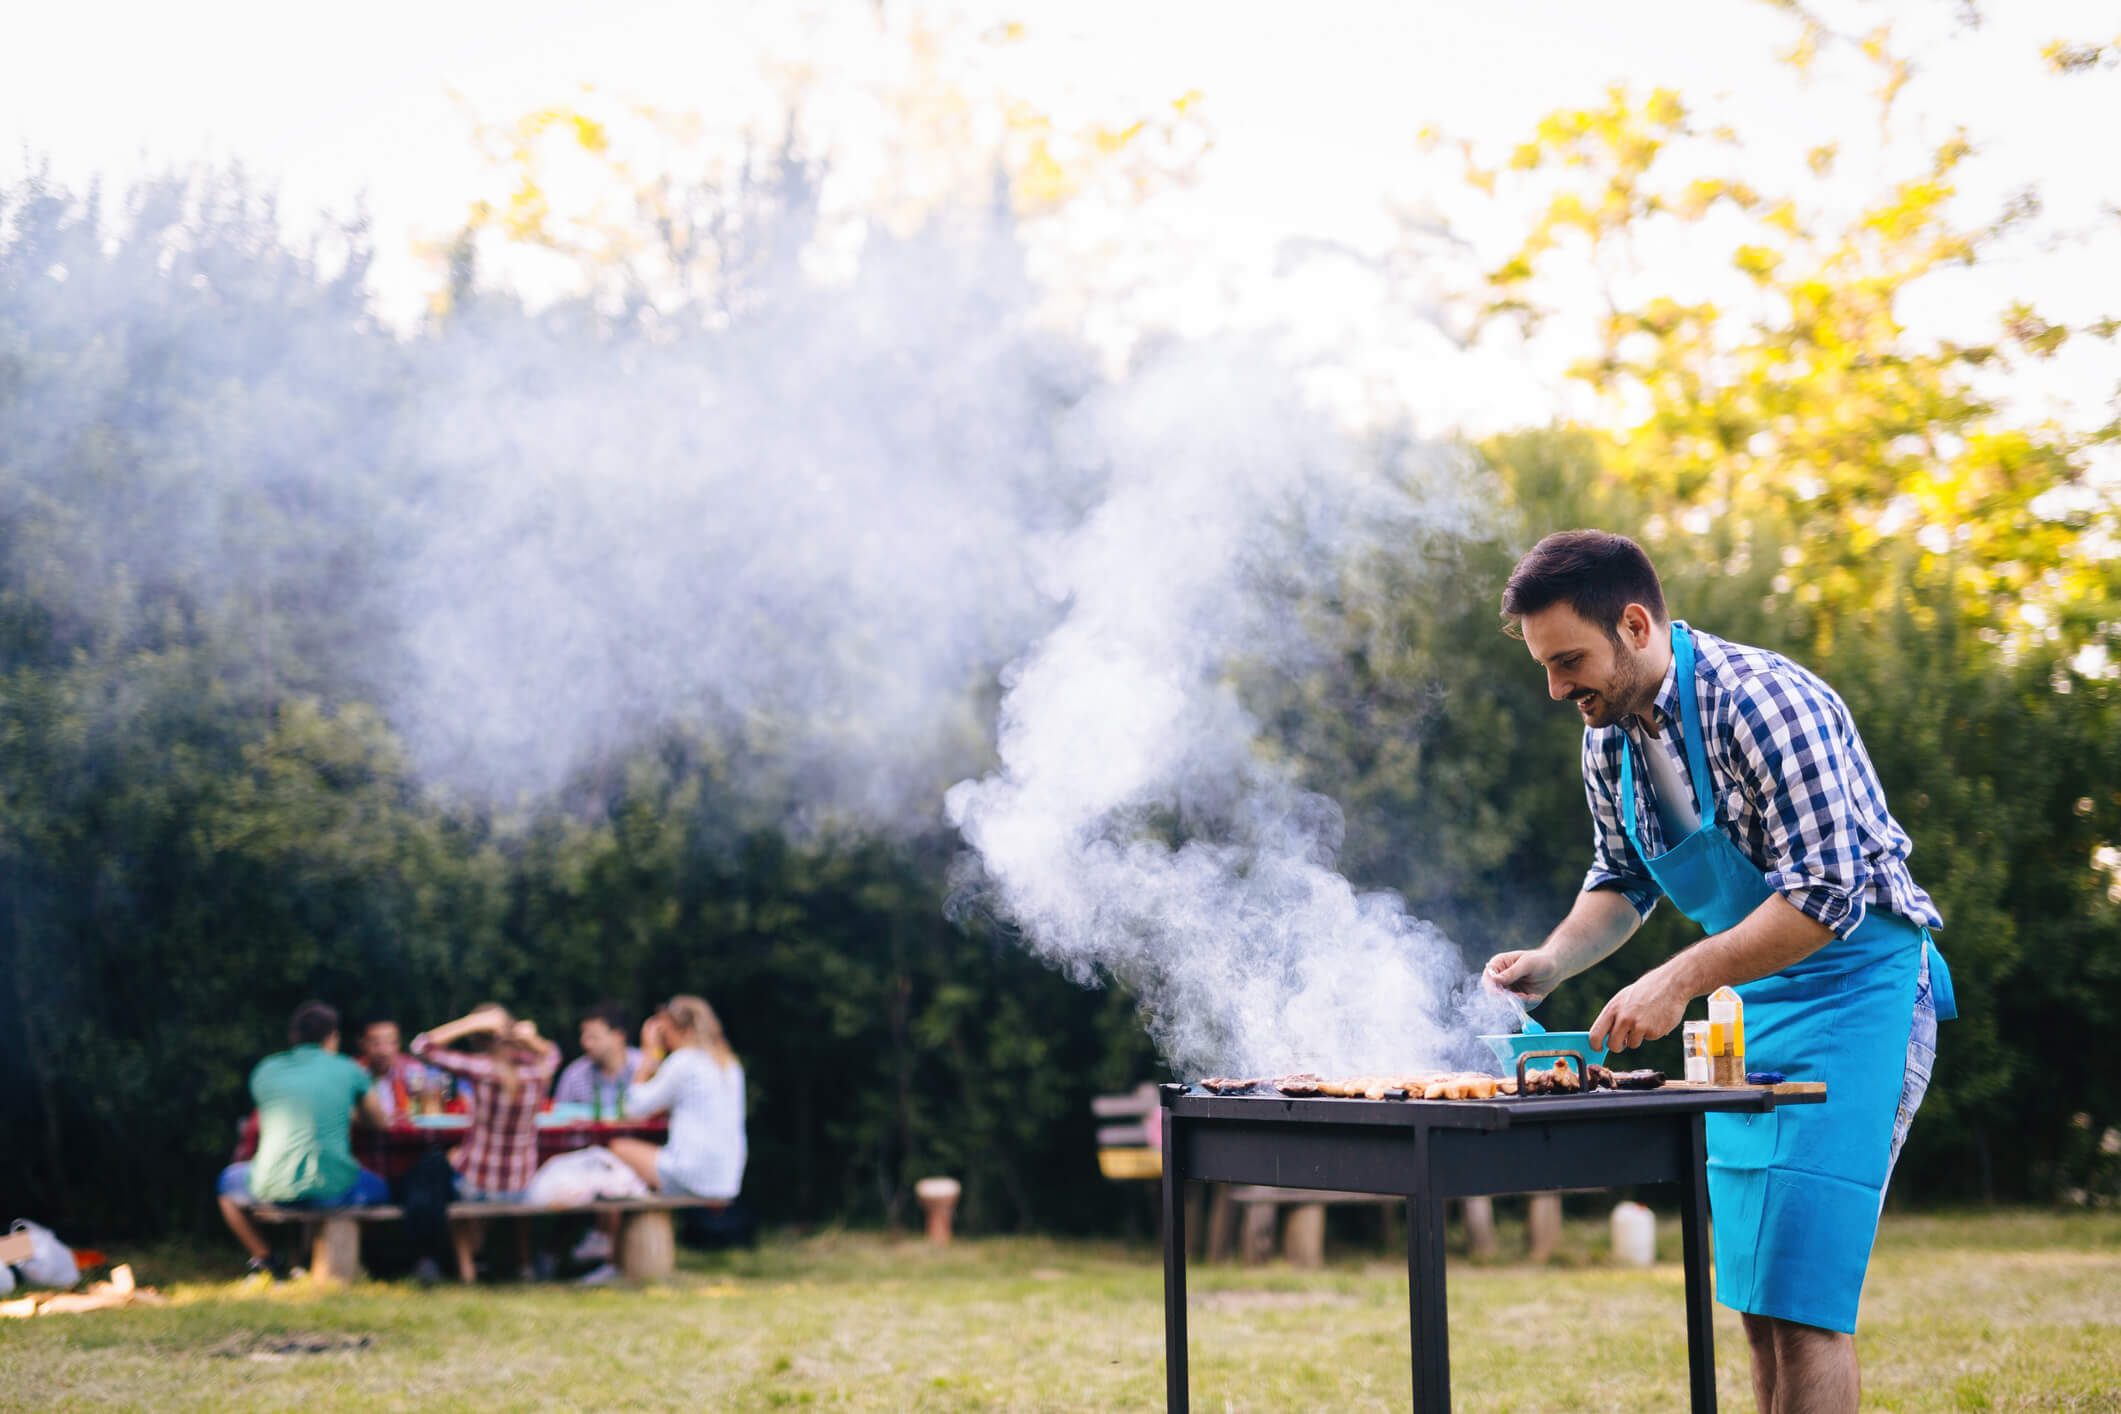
[{"x": 1795, "y": 1193}]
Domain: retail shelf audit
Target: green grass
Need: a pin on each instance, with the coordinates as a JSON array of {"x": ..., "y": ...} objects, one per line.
[{"x": 2017, "y": 1311}]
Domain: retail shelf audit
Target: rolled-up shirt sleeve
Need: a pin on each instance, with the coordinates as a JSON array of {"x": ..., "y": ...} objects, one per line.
[
  {"x": 1793, "y": 755},
  {"x": 1614, "y": 864}
]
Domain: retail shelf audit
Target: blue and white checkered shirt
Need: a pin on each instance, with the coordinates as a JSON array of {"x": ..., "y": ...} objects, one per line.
[{"x": 1796, "y": 792}]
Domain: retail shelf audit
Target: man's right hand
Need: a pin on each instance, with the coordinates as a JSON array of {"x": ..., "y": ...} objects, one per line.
[{"x": 1529, "y": 973}]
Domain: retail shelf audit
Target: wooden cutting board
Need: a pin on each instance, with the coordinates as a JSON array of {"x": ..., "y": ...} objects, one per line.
[{"x": 1787, "y": 1087}]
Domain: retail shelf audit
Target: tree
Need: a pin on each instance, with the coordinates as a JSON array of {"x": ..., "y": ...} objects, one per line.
[{"x": 1808, "y": 412}]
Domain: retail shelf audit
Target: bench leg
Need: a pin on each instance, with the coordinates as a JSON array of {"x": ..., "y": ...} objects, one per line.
[
  {"x": 1544, "y": 1223},
  {"x": 335, "y": 1252},
  {"x": 1222, "y": 1224},
  {"x": 1303, "y": 1236},
  {"x": 648, "y": 1245},
  {"x": 1258, "y": 1242},
  {"x": 1480, "y": 1228}
]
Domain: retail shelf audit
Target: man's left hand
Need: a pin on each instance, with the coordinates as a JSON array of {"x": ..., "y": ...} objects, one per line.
[{"x": 1645, "y": 1009}]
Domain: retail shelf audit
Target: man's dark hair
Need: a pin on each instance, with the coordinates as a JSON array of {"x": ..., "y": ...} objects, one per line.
[
  {"x": 1594, "y": 572},
  {"x": 610, "y": 1013},
  {"x": 313, "y": 1023}
]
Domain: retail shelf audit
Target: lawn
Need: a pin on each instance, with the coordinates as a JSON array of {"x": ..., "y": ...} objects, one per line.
[{"x": 2010, "y": 1311}]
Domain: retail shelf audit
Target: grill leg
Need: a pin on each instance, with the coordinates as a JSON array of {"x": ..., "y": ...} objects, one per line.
[
  {"x": 1427, "y": 1317},
  {"x": 1174, "y": 1184},
  {"x": 1700, "y": 1290}
]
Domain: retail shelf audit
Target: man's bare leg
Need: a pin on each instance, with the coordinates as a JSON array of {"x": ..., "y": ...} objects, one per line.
[
  {"x": 1760, "y": 1341},
  {"x": 246, "y": 1231},
  {"x": 1815, "y": 1370}
]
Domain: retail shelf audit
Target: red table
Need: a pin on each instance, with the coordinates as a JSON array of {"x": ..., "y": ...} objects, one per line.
[{"x": 390, "y": 1152}]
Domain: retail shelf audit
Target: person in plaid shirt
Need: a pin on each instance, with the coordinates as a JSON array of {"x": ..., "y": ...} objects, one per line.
[
  {"x": 507, "y": 1083},
  {"x": 1733, "y": 782}
]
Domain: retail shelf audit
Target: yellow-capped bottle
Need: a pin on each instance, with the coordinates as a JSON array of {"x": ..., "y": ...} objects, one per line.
[{"x": 1727, "y": 1036}]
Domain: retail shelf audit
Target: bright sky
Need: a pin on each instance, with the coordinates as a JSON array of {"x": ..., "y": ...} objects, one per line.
[{"x": 1314, "y": 112}]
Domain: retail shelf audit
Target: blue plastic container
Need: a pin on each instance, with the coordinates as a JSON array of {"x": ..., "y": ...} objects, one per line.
[{"x": 1508, "y": 1048}]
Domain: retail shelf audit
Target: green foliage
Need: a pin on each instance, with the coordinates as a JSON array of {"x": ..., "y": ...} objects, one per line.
[
  {"x": 204, "y": 820},
  {"x": 1807, "y": 411}
]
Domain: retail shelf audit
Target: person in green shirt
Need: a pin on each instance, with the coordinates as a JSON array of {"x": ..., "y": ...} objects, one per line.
[{"x": 307, "y": 1098}]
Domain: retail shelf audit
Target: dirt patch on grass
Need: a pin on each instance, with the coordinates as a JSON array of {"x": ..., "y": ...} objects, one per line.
[{"x": 289, "y": 1345}]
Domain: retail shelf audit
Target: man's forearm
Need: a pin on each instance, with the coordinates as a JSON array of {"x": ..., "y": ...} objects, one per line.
[
  {"x": 1773, "y": 936},
  {"x": 1597, "y": 924}
]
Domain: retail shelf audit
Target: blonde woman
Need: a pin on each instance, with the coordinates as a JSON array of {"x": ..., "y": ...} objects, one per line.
[{"x": 688, "y": 1069}]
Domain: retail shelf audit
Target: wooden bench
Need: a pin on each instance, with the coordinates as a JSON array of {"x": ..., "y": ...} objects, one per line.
[
  {"x": 1304, "y": 1235},
  {"x": 647, "y": 1245}
]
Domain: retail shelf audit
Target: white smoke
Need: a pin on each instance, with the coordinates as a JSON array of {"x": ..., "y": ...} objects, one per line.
[
  {"x": 815, "y": 530},
  {"x": 804, "y": 534},
  {"x": 1250, "y": 955}
]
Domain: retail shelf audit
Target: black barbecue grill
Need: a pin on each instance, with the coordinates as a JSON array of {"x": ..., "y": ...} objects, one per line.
[{"x": 1433, "y": 1150}]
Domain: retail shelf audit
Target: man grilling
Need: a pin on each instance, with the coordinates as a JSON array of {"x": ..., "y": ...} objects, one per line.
[{"x": 1731, "y": 781}]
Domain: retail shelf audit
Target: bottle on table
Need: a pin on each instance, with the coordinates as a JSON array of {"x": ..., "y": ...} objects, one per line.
[
  {"x": 1727, "y": 1036},
  {"x": 1695, "y": 1039}
]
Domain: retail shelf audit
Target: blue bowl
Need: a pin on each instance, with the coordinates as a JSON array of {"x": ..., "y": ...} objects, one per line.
[{"x": 1508, "y": 1048}]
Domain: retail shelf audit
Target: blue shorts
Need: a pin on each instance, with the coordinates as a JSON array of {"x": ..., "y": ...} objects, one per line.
[{"x": 368, "y": 1190}]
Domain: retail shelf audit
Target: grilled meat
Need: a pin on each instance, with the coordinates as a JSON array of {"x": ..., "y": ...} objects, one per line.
[
  {"x": 1223, "y": 1085},
  {"x": 1459, "y": 1085},
  {"x": 1559, "y": 1078}
]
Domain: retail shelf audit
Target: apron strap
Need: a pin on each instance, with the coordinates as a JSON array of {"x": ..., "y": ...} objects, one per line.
[{"x": 1697, "y": 756}]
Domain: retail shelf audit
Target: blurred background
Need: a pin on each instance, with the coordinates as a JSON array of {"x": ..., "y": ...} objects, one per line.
[{"x": 540, "y": 502}]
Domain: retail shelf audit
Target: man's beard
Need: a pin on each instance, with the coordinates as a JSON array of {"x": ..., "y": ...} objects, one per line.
[{"x": 1625, "y": 693}]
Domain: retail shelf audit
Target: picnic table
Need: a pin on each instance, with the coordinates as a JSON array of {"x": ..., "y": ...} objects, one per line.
[
  {"x": 646, "y": 1240},
  {"x": 391, "y": 1152}
]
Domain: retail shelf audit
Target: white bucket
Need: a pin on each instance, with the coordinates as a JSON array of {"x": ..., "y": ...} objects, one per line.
[{"x": 1634, "y": 1235}]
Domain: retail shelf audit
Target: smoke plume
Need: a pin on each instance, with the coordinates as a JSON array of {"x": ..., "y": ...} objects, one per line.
[
  {"x": 805, "y": 532},
  {"x": 1137, "y": 828}
]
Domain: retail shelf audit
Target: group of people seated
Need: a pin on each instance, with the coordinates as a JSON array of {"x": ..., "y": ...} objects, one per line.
[{"x": 309, "y": 1096}]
